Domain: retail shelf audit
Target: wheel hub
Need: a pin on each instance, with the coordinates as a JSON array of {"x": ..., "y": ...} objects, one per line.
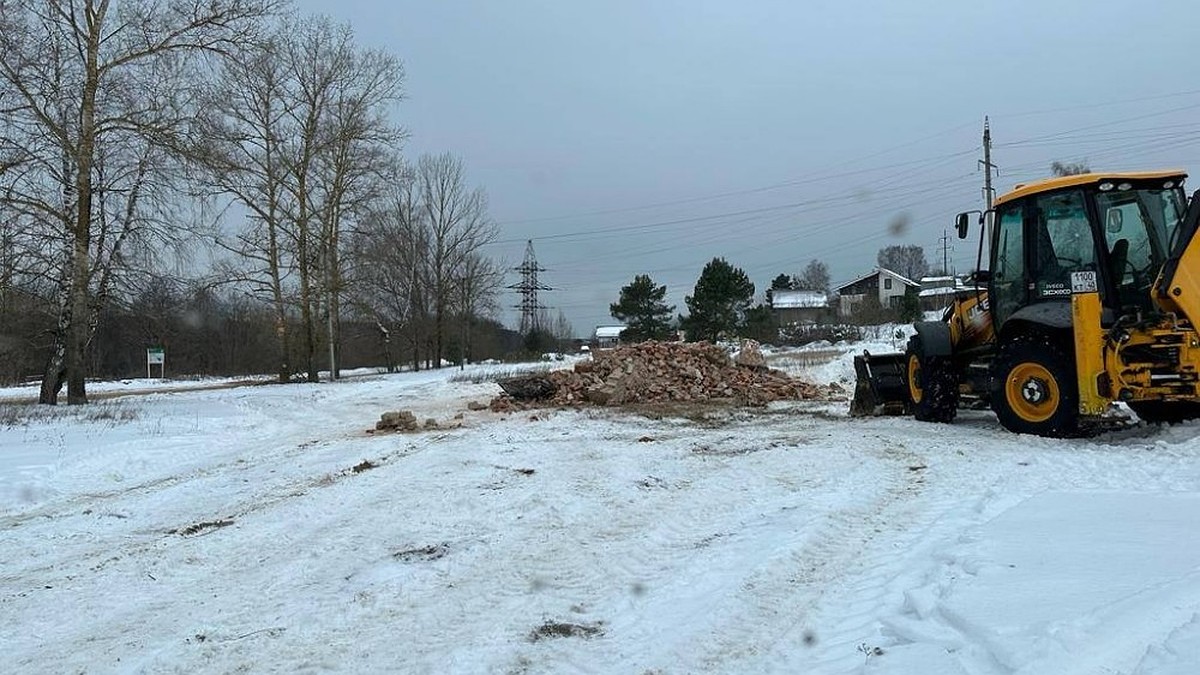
[{"x": 1034, "y": 391}]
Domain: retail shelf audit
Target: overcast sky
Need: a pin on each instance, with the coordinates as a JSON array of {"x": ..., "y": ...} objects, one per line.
[{"x": 640, "y": 136}]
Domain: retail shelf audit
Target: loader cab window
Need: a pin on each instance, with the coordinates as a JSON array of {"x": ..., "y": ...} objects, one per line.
[
  {"x": 1138, "y": 229},
  {"x": 1062, "y": 243},
  {"x": 1008, "y": 271}
]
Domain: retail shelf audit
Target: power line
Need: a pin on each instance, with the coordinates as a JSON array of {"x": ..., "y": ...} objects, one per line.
[
  {"x": 1101, "y": 125},
  {"x": 816, "y": 179},
  {"x": 799, "y": 206},
  {"x": 1138, "y": 142},
  {"x": 1105, "y": 104},
  {"x": 756, "y": 190}
]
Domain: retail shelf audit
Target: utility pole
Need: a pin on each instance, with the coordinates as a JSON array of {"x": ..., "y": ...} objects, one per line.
[
  {"x": 945, "y": 239},
  {"x": 989, "y": 193},
  {"x": 528, "y": 288}
]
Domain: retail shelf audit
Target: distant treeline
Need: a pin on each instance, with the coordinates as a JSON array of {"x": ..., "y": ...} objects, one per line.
[{"x": 205, "y": 332}]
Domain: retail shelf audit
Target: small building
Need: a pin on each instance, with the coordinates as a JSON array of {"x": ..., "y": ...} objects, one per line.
[
  {"x": 884, "y": 285},
  {"x": 799, "y": 307},
  {"x": 607, "y": 336},
  {"x": 937, "y": 293}
]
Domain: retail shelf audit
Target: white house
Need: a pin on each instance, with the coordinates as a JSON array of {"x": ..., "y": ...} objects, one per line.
[
  {"x": 607, "y": 336},
  {"x": 885, "y": 285}
]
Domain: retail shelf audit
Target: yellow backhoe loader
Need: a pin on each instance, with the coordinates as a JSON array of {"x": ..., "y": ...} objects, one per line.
[{"x": 1091, "y": 295}]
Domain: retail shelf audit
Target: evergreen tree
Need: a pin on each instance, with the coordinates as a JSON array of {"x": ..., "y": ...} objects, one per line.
[
  {"x": 910, "y": 308},
  {"x": 642, "y": 309},
  {"x": 780, "y": 283},
  {"x": 760, "y": 324},
  {"x": 719, "y": 302}
]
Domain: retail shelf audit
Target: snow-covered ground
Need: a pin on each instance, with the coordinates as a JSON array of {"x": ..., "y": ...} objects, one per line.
[{"x": 261, "y": 529}]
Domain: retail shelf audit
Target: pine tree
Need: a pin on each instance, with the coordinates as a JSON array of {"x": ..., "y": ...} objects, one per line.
[
  {"x": 719, "y": 302},
  {"x": 760, "y": 324},
  {"x": 642, "y": 309},
  {"x": 780, "y": 283}
]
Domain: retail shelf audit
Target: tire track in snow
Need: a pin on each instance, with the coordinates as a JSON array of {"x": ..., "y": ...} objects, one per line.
[
  {"x": 730, "y": 600},
  {"x": 778, "y": 609},
  {"x": 895, "y": 595}
]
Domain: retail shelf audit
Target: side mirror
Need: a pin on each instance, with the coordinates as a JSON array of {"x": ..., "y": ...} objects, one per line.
[
  {"x": 962, "y": 224},
  {"x": 983, "y": 276}
]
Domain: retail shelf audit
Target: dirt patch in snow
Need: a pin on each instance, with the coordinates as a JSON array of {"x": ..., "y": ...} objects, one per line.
[
  {"x": 561, "y": 629},
  {"x": 422, "y": 553},
  {"x": 365, "y": 465},
  {"x": 202, "y": 527}
]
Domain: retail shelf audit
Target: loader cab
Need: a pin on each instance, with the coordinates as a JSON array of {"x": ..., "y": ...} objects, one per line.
[{"x": 1120, "y": 226}]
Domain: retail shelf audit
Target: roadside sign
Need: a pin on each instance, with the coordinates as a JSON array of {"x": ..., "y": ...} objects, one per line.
[{"x": 156, "y": 356}]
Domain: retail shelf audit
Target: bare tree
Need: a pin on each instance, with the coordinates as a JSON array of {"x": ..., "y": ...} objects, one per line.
[
  {"x": 91, "y": 94},
  {"x": 299, "y": 135},
  {"x": 316, "y": 55},
  {"x": 419, "y": 264},
  {"x": 357, "y": 144},
  {"x": 1068, "y": 168},
  {"x": 815, "y": 277},
  {"x": 240, "y": 149},
  {"x": 563, "y": 331},
  {"x": 906, "y": 260},
  {"x": 458, "y": 227},
  {"x": 478, "y": 280},
  {"x": 389, "y": 280}
]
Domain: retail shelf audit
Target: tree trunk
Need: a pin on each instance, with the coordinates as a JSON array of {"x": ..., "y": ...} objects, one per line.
[
  {"x": 78, "y": 301},
  {"x": 56, "y": 369},
  {"x": 284, "y": 344},
  {"x": 283, "y": 338},
  {"x": 304, "y": 267},
  {"x": 334, "y": 282},
  {"x": 310, "y": 337},
  {"x": 77, "y": 330},
  {"x": 438, "y": 329},
  {"x": 386, "y": 337}
]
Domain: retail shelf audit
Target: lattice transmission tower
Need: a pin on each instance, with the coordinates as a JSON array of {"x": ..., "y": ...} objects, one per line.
[{"x": 528, "y": 288}]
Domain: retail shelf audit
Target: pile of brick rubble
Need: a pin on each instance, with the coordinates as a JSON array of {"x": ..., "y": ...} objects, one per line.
[{"x": 650, "y": 372}]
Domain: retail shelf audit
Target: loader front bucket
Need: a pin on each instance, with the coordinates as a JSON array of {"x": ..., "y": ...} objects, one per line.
[{"x": 882, "y": 386}]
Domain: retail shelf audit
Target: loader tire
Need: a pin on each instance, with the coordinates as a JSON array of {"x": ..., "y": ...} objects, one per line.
[
  {"x": 932, "y": 383},
  {"x": 1166, "y": 412},
  {"x": 1034, "y": 390}
]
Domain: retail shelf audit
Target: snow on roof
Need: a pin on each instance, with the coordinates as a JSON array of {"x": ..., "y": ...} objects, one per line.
[
  {"x": 788, "y": 299},
  {"x": 937, "y": 290},
  {"x": 879, "y": 270},
  {"x": 944, "y": 288},
  {"x": 609, "y": 331}
]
